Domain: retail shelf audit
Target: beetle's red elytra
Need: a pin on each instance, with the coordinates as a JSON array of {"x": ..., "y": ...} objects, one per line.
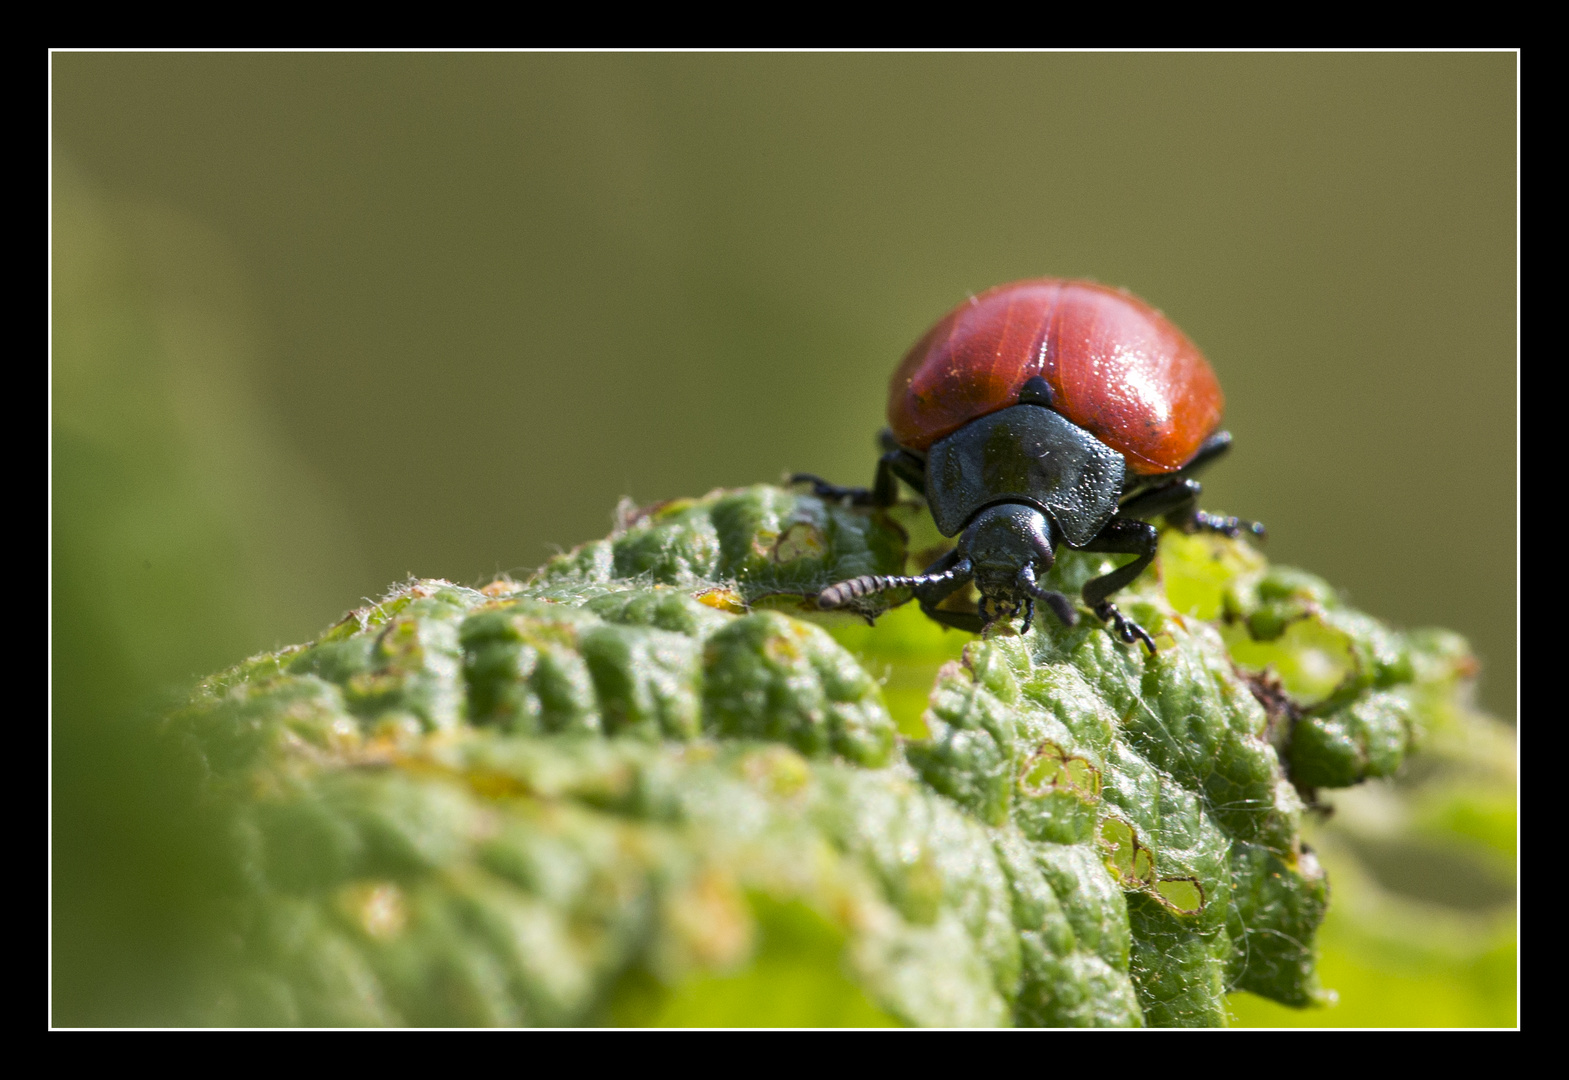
[{"x": 1116, "y": 367}]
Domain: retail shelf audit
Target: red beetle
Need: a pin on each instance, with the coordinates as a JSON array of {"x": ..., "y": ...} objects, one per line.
[{"x": 1038, "y": 413}]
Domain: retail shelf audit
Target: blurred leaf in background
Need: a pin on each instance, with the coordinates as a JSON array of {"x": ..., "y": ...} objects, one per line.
[{"x": 184, "y": 535}]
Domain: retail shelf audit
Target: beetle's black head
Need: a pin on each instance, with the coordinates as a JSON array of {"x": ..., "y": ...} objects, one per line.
[{"x": 1008, "y": 546}]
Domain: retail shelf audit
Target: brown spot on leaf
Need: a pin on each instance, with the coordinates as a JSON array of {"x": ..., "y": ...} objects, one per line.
[
  {"x": 722, "y": 599},
  {"x": 1282, "y": 711},
  {"x": 502, "y": 586},
  {"x": 711, "y": 921}
]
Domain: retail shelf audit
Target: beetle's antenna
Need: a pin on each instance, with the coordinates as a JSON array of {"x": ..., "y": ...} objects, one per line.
[{"x": 868, "y": 584}]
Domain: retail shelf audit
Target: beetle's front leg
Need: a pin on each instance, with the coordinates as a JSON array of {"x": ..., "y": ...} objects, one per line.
[{"x": 1121, "y": 536}]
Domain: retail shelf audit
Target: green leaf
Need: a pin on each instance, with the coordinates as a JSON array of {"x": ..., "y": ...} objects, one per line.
[{"x": 653, "y": 785}]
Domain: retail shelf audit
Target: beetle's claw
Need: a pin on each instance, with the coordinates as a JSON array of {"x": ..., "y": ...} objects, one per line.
[{"x": 1123, "y": 628}]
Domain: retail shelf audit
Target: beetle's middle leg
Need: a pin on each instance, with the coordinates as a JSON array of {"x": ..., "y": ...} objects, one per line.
[
  {"x": 1177, "y": 498},
  {"x": 896, "y": 464}
]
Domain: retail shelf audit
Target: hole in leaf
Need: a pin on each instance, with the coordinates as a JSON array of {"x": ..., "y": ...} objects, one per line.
[
  {"x": 1182, "y": 894},
  {"x": 1043, "y": 773},
  {"x": 1051, "y": 769},
  {"x": 801, "y": 540},
  {"x": 1130, "y": 860},
  {"x": 1083, "y": 777}
]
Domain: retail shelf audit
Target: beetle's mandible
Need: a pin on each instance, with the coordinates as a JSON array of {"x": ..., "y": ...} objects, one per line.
[{"x": 1040, "y": 413}]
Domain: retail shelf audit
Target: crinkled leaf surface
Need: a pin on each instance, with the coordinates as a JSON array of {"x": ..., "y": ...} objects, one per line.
[{"x": 652, "y": 785}]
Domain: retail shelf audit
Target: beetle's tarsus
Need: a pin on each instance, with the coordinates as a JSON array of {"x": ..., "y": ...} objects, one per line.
[
  {"x": 857, "y": 496},
  {"x": 1231, "y": 527},
  {"x": 1123, "y": 628}
]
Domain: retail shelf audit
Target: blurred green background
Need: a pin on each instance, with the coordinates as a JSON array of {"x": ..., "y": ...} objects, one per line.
[{"x": 321, "y": 321}]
